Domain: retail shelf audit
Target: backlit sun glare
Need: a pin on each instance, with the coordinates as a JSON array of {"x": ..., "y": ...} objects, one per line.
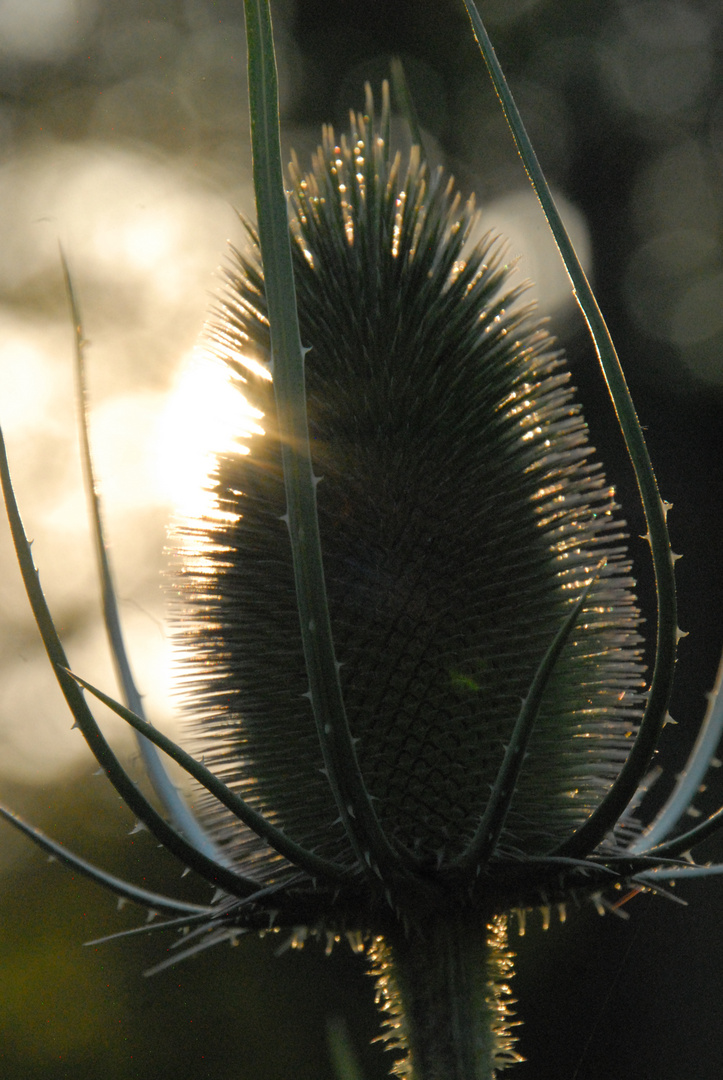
[{"x": 204, "y": 415}]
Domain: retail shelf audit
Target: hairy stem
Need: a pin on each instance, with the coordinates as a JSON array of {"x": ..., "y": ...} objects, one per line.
[{"x": 443, "y": 989}]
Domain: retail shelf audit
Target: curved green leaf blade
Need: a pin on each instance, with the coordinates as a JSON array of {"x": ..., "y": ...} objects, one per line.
[
  {"x": 357, "y": 813},
  {"x": 163, "y": 785},
  {"x": 484, "y": 842},
  {"x": 117, "y": 885},
  {"x": 622, "y": 791}
]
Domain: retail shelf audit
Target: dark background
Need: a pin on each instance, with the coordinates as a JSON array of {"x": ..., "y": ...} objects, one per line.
[{"x": 624, "y": 103}]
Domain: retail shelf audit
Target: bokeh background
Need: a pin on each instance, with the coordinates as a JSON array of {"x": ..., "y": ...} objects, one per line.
[{"x": 124, "y": 135}]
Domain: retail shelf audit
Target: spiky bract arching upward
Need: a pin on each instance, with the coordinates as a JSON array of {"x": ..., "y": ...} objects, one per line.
[{"x": 461, "y": 519}]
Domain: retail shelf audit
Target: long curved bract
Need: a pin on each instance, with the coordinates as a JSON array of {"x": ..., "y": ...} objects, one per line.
[
  {"x": 121, "y": 888},
  {"x": 623, "y": 790},
  {"x": 174, "y": 803},
  {"x": 363, "y": 828}
]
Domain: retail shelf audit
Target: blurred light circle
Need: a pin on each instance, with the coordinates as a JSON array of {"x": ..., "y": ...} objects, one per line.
[
  {"x": 519, "y": 222},
  {"x": 716, "y": 129},
  {"x": 704, "y": 359},
  {"x": 659, "y": 273},
  {"x": 137, "y": 45},
  {"x": 680, "y": 185},
  {"x": 699, "y": 312},
  {"x": 661, "y": 59},
  {"x": 210, "y": 77},
  {"x": 674, "y": 290},
  {"x": 120, "y": 214},
  {"x": 143, "y": 109},
  {"x": 42, "y": 29}
]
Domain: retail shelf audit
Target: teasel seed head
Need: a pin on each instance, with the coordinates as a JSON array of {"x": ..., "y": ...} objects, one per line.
[
  {"x": 462, "y": 517},
  {"x": 464, "y": 525}
]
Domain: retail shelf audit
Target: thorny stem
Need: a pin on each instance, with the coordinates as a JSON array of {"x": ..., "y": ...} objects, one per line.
[{"x": 443, "y": 988}]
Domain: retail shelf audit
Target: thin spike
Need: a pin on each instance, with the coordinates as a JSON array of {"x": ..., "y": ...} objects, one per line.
[
  {"x": 213, "y": 939},
  {"x": 121, "y": 888},
  {"x": 405, "y": 104},
  {"x": 163, "y": 785},
  {"x": 150, "y": 928},
  {"x": 649, "y": 877}
]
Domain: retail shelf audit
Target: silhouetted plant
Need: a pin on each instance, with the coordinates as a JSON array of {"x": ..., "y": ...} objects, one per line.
[{"x": 410, "y": 637}]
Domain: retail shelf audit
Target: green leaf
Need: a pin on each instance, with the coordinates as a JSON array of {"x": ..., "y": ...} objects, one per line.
[
  {"x": 371, "y": 846},
  {"x": 639, "y": 758}
]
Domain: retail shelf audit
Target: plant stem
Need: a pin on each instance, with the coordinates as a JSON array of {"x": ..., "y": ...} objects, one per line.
[{"x": 444, "y": 992}]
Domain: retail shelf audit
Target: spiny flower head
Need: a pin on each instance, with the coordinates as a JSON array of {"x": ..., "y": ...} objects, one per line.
[{"x": 462, "y": 518}]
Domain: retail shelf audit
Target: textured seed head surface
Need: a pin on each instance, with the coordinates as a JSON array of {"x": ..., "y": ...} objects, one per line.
[{"x": 461, "y": 515}]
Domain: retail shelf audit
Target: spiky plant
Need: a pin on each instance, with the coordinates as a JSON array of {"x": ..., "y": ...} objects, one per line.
[{"x": 410, "y": 639}]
